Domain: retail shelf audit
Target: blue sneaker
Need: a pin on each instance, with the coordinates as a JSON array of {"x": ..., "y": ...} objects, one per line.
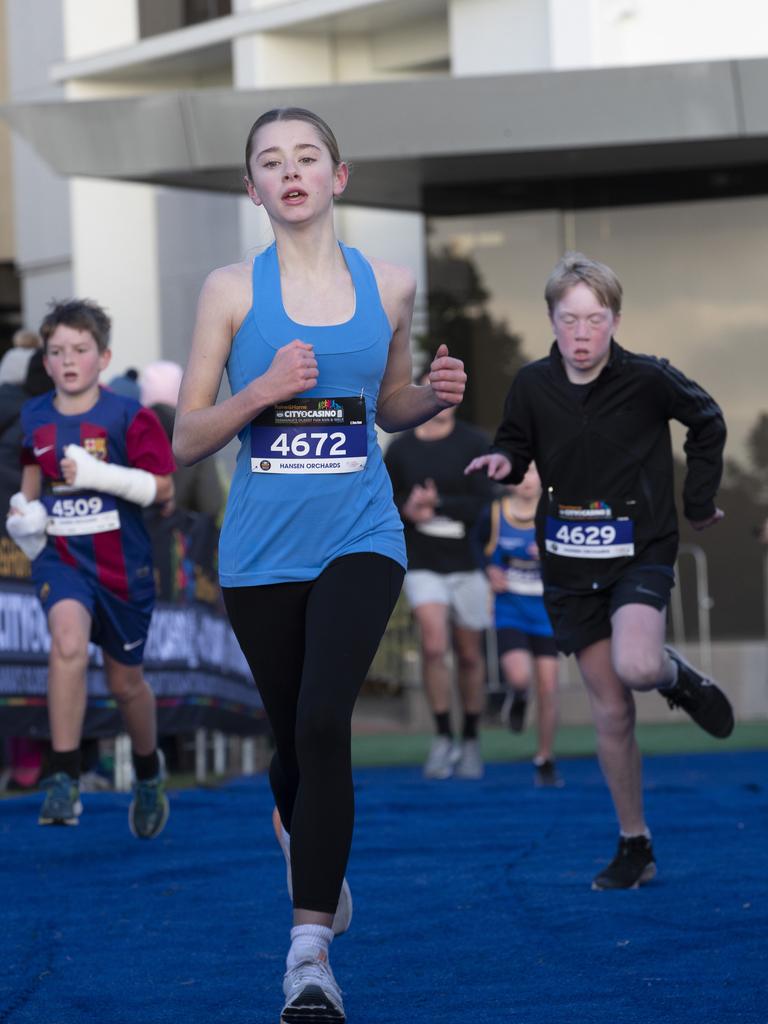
[
  {"x": 61, "y": 805},
  {"x": 149, "y": 808}
]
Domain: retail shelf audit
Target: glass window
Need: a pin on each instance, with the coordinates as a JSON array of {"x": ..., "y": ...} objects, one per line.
[
  {"x": 170, "y": 15},
  {"x": 694, "y": 292}
]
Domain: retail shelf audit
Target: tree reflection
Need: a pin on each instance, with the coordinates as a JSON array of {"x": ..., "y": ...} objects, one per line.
[
  {"x": 734, "y": 553},
  {"x": 458, "y": 308},
  {"x": 458, "y": 312}
]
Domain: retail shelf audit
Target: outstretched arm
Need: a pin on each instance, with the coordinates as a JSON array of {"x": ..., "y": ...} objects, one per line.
[{"x": 511, "y": 453}]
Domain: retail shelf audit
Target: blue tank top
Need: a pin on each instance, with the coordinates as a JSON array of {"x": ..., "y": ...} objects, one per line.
[
  {"x": 513, "y": 547},
  {"x": 286, "y": 526}
]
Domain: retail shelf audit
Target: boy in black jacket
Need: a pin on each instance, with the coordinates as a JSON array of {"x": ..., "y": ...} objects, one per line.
[{"x": 595, "y": 418}]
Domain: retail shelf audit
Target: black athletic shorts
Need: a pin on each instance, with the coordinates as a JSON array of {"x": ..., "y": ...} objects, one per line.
[
  {"x": 582, "y": 617},
  {"x": 508, "y": 639}
]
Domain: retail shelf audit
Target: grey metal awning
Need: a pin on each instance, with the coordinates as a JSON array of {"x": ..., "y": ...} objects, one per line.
[{"x": 407, "y": 139}]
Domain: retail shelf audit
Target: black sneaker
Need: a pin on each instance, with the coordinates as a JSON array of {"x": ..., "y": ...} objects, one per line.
[
  {"x": 547, "y": 775},
  {"x": 513, "y": 710},
  {"x": 631, "y": 867},
  {"x": 700, "y": 697}
]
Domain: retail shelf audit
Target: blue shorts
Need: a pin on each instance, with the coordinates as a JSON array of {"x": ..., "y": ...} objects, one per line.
[{"x": 119, "y": 627}]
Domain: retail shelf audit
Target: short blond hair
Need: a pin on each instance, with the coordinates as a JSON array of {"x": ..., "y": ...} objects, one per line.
[
  {"x": 576, "y": 268},
  {"x": 26, "y": 339}
]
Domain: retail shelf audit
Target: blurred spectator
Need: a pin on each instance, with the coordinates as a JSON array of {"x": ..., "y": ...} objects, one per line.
[
  {"x": 22, "y": 763},
  {"x": 159, "y": 383},
  {"x": 447, "y": 593},
  {"x": 26, "y": 339},
  {"x": 23, "y": 376},
  {"x": 13, "y": 365},
  {"x": 12, "y": 396},
  {"x": 126, "y": 384},
  {"x": 198, "y": 487}
]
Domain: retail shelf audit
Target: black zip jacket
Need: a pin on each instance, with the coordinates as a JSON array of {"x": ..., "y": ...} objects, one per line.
[{"x": 609, "y": 442}]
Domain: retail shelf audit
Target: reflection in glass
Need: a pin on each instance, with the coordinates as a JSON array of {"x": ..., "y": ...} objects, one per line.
[{"x": 694, "y": 284}]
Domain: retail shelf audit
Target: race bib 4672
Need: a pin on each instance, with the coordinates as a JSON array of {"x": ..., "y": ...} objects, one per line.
[{"x": 310, "y": 435}]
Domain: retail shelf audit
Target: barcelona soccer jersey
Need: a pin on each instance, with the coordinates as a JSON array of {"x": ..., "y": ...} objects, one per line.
[{"x": 95, "y": 533}]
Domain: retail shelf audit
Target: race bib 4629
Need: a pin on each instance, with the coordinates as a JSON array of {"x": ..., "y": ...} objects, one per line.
[{"x": 608, "y": 538}]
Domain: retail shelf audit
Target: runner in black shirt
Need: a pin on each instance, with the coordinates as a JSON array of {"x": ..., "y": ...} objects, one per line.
[
  {"x": 595, "y": 418},
  {"x": 449, "y": 596}
]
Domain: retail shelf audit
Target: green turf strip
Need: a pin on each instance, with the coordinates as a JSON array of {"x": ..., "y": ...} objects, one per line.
[{"x": 572, "y": 741}]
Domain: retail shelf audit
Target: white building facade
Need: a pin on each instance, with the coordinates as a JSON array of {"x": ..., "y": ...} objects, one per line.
[{"x": 486, "y": 137}]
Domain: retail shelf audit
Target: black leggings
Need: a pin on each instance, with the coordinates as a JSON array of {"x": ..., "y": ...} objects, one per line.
[{"x": 309, "y": 646}]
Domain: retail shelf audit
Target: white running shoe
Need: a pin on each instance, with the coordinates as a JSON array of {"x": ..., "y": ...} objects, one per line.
[
  {"x": 311, "y": 994},
  {"x": 342, "y": 919},
  {"x": 441, "y": 758},
  {"x": 470, "y": 763}
]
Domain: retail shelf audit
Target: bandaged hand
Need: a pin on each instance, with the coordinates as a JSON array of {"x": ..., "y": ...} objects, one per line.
[
  {"x": 136, "y": 485},
  {"x": 26, "y": 525}
]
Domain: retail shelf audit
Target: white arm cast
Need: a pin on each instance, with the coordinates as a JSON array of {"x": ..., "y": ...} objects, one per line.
[
  {"x": 136, "y": 485},
  {"x": 27, "y": 529}
]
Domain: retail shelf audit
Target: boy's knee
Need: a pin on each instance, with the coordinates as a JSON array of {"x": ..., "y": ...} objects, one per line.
[
  {"x": 547, "y": 687},
  {"x": 69, "y": 647},
  {"x": 639, "y": 669},
  {"x": 126, "y": 685},
  {"x": 614, "y": 719},
  {"x": 469, "y": 661},
  {"x": 433, "y": 648}
]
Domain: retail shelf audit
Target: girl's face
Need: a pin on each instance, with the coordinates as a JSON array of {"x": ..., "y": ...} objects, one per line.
[{"x": 292, "y": 173}]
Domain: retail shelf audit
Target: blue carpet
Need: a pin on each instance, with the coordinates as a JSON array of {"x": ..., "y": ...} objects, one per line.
[{"x": 472, "y": 904}]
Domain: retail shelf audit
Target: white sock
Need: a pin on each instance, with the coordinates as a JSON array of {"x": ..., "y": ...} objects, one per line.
[
  {"x": 669, "y": 683},
  {"x": 308, "y": 942},
  {"x": 646, "y": 832}
]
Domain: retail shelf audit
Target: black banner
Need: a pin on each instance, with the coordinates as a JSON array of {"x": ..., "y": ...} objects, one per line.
[{"x": 192, "y": 660}]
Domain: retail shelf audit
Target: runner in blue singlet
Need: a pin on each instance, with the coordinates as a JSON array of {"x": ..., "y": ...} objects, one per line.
[
  {"x": 315, "y": 342},
  {"x": 505, "y": 547}
]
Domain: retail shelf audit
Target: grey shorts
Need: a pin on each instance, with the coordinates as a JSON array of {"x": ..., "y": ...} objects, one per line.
[{"x": 467, "y": 595}]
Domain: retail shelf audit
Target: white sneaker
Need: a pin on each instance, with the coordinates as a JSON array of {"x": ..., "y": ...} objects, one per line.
[
  {"x": 470, "y": 763},
  {"x": 311, "y": 994},
  {"x": 441, "y": 758},
  {"x": 342, "y": 919}
]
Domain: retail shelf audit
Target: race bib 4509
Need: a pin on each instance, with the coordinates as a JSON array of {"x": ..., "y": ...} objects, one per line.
[
  {"x": 81, "y": 513},
  {"x": 310, "y": 435}
]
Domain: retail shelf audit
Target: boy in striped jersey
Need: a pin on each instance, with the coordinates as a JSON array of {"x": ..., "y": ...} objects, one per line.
[{"x": 92, "y": 459}]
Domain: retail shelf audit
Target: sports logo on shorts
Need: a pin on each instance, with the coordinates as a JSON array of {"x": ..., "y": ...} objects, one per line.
[
  {"x": 265, "y": 465},
  {"x": 97, "y": 447},
  {"x": 45, "y": 591}
]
